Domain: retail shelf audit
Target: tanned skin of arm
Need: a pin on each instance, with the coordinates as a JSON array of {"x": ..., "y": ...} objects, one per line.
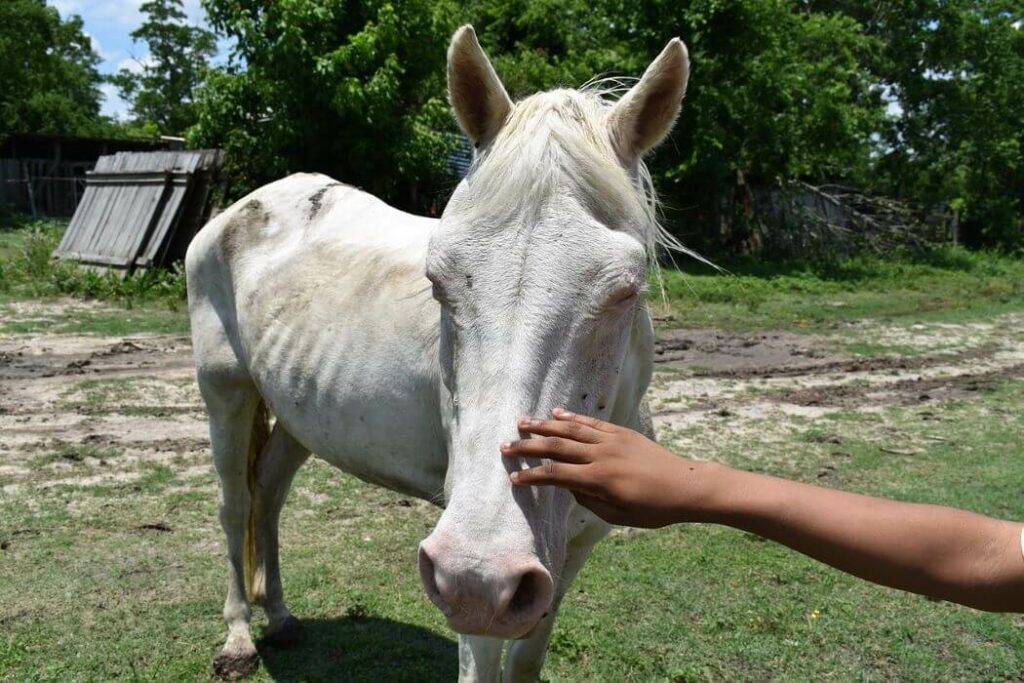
[{"x": 627, "y": 479}]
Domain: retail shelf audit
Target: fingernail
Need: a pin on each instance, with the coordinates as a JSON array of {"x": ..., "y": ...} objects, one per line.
[
  {"x": 524, "y": 421},
  {"x": 505, "y": 446},
  {"x": 514, "y": 477},
  {"x": 561, "y": 412}
]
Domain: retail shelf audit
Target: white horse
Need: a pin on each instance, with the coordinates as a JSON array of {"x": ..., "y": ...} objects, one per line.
[{"x": 313, "y": 299}]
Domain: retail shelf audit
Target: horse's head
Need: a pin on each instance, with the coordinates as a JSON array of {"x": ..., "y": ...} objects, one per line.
[{"x": 539, "y": 264}]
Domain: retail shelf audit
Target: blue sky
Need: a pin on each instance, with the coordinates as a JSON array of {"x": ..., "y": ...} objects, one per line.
[{"x": 109, "y": 23}]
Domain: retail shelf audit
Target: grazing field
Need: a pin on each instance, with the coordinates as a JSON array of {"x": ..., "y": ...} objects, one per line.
[{"x": 112, "y": 561}]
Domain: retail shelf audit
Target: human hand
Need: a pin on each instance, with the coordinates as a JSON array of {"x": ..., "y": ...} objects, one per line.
[{"x": 619, "y": 474}]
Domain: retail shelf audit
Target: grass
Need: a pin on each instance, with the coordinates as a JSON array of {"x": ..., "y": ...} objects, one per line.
[
  {"x": 150, "y": 301},
  {"x": 103, "y": 320},
  {"x": 688, "y": 603},
  {"x": 948, "y": 284},
  {"x": 123, "y": 578}
]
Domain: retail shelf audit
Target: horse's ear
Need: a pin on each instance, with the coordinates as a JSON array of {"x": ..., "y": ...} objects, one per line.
[
  {"x": 478, "y": 98},
  {"x": 644, "y": 116}
]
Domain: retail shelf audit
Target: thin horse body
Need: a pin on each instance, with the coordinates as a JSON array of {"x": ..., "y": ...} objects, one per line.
[{"x": 401, "y": 349}]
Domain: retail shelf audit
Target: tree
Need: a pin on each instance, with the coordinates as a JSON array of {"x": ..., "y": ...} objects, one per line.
[
  {"x": 162, "y": 92},
  {"x": 781, "y": 93},
  {"x": 354, "y": 89},
  {"x": 776, "y": 94},
  {"x": 956, "y": 69},
  {"x": 49, "y": 82}
]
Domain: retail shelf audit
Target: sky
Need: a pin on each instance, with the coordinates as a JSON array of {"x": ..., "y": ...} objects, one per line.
[{"x": 109, "y": 23}]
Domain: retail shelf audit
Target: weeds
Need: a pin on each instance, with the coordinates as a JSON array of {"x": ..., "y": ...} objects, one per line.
[{"x": 28, "y": 270}]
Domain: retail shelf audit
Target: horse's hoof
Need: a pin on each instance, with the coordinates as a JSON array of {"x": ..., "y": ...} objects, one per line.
[
  {"x": 289, "y": 632},
  {"x": 234, "y": 666}
]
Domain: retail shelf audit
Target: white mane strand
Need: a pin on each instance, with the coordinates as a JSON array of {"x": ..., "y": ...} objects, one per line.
[{"x": 558, "y": 141}]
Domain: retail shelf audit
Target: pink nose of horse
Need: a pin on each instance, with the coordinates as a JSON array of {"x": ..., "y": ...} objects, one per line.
[{"x": 500, "y": 599}]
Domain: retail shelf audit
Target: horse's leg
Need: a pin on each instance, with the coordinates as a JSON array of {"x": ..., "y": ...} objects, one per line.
[
  {"x": 275, "y": 469},
  {"x": 480, "y": 659},
  {"x": 526, "y": 657},
  {"x": 232, "y": 403}
]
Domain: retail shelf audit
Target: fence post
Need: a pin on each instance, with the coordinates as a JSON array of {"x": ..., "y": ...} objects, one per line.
[{"x": 31, "y": 194}]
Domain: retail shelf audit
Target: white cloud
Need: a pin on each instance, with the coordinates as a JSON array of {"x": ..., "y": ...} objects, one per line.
[
  {"x": 66, "y": 7},
  {"x": 134, "y": 64},
  {"x": 113, "y": 105},
  {"x": 121, "y": 12},
  {"x": 196, "y": 13},
  {"x": 98, "y": 47}
]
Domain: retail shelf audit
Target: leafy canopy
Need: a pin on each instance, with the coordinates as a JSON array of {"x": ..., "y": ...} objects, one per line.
[
  {"x": 921, "y": 100},
  {"x": 352, "y": 89},
  {"x": 161, "y": 91},
  {"x": 49, "y": 82}
]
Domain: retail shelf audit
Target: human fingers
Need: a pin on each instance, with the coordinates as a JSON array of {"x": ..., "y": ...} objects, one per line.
[
  {"x": 551, "y": 473},
  {"x": 554, "y": 447},
  {"x": 564, "y": 415},
  {"x": 599, "y": 507},
  {"x": 577, "y": 431}
]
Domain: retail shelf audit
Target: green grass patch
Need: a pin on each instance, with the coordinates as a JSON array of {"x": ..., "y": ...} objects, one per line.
[
  {"x": 143, "y": 594},
  {"x": 106, "y": 321},
  {"x": 150, "y": 301},
  {"x": 948, "y": 284}
]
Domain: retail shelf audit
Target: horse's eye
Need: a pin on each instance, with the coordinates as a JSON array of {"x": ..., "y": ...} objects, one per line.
[
  {"x": 437, "y": 287},
  {"x": 623, "y": 297}
]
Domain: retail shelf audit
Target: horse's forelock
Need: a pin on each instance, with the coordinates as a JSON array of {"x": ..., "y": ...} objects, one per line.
[
  {"x": 554, "y": 142},
  {"x": 559, "y": 139}
]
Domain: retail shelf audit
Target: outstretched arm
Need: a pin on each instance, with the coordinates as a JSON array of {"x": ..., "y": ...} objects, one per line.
[{"x": 627, "y": 479}]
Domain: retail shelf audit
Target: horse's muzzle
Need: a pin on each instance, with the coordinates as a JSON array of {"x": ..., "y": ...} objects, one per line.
[{"x": 501, "y": 598}]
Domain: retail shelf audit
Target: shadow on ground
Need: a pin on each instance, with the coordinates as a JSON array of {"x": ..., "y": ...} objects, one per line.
[{"x": 363, "y": 649}]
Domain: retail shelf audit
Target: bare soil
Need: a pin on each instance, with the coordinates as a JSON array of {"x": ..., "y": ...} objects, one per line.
[
  {"x": 766, "y": 380},
  {"x": 102, "y": 402},
  {"x": 87, "y": 410}
]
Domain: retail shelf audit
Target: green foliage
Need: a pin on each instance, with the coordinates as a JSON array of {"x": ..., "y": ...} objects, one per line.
[
  {"x": 542, "y": 44},
  {"x": 779, "y": 92},
  {"x": 776, "y": 92},
  {"x": 957, "y": 69},
  {"x": 162, "y": 92},
  {"x": 27, "y": 269},
  {"x": 352, "y": 89},
  {"x": 48, "y": 77}
]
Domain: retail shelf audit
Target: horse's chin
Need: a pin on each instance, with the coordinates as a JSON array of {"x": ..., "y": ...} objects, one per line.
[
  {"x": 529, "y": 634},
  {"x": 497, "y": 630}
]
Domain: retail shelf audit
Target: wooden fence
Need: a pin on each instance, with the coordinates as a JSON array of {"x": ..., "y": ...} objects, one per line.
[{"x": 141, "y": 209}]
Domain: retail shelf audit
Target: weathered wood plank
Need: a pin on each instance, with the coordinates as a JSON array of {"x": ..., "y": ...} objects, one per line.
[{"x": 133, "y": 203}]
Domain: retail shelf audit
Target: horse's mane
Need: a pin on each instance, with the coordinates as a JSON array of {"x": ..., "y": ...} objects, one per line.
[{"x": 556, "y": 141}]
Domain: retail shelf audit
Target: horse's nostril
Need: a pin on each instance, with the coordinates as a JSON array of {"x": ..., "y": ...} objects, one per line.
[
  {"x": 428, "y": 575},
  {"x": 527, "y": 592}
]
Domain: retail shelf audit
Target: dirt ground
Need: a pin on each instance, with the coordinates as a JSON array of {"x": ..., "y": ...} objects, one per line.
[{"x": 110, "y": 402}]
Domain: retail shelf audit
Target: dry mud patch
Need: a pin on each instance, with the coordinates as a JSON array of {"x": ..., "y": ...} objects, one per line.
[
  {"x": 715, "y": 390},
  {"x": 78, "y": 410}
]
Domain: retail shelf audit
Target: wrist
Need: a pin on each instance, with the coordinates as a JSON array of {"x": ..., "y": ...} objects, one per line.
[{"x": 705, "y": 492}]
